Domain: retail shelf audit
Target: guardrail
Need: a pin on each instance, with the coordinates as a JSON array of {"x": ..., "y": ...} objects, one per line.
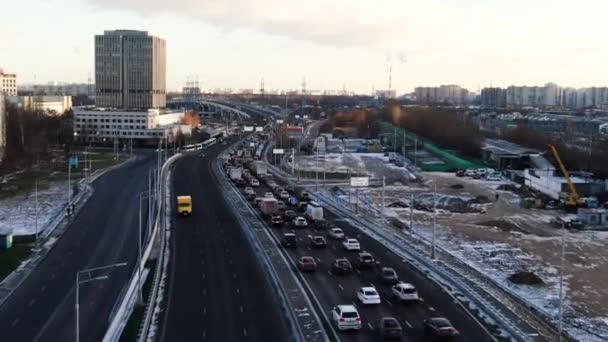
[{"x": 123, "y": 311}]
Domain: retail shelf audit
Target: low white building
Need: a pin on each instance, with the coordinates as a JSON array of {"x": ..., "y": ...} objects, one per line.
[
  {"x": 48, "y": 104},
  {"x": 104, "y": 125},
  {"x": 8, "y": 83},
  {"x": 546, "y": 182}
]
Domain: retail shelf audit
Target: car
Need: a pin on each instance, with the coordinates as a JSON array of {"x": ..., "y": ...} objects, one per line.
[
  {"x": 342, "y": 266},
  {"x": 318, "y": 242},
  {"x": 346, "y": 317},
  {"x": 307, "y": 264},
  {"x": 440, "y": 327},
  {"x": 351, "y": 245},
  {"x": 388, "y": 276},
  {"x": 246, "y": 172},
  {"x": 389, "y": 328},
  {"x": 368, "y": 295},
  {"x": 405, "y": 292},
  {"x": 336, "y": 233},
  {"x": 277, "y": 191},
  {"x": 289, "y": 240},
  {"x": 290, "y": 188},
  {"x": 320, "y": 224},
  {"x": 281, "y": 205},
  {"x": 301, "y": 206},
  {"x": 249, "y": 191},
  {"x": 305, "y": 196},
  {"x": 251, "y": 197},
  {"x": 365, "y": 260},
  {"x": 300, "y": 222},
  {"x": 268, "y": 195},
  {"x": 257, "y": 201},
  {"x": 399, "y": 163},
  {"x": 240, "y": 182},
  {"x": 469, "y": 173},
  {"x": 289, "y": 215},
  {"x": 460, "y": 173},
  {"x": 276, "y": 220},
  {"x": 284, "y": 195},
  {"x": 254, "y": 182}
]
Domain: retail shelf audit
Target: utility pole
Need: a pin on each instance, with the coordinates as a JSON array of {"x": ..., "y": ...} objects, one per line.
[
  {"x": 561, "y": 284},
  {"x": 69, "y": 181},
  {"x": 395, "y": 140},
  {"x": 416, "y": 152},
  {"x": 383, "y": 186},
  {"x": 412, "y": 213},
  {"x": 36, "y": 195},
  {"x": 434, "y": 220}
]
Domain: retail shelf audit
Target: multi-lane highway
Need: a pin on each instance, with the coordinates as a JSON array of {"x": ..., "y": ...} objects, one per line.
[
  {"x": 104, "y": 232},
  {"x": 331, "y": 289},
  {"x": 217, "y": 290}
]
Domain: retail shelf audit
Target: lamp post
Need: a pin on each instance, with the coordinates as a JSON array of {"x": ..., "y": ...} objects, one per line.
[
  {"x": 89, "y": 279},
  {"x": 561, "y": 283},
  {"x": 434, "y": 220}
]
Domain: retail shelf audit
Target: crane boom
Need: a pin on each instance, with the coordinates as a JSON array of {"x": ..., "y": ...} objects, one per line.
[{"x": 574, "y": 197}]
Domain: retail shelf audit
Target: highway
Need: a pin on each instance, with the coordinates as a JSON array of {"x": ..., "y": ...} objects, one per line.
[
  {"x": 103, "y": 232},
  {"x": 217, "y": 290},
  {"x": 331, "y": 289}
]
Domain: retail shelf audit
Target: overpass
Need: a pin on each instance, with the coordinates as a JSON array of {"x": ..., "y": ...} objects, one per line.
[{"x": 208, "y": 108}]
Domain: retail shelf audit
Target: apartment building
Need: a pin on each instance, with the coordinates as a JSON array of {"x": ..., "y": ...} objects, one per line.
[
  {"x": 452, "y": 94},
  {"x": 8, "y": 83}
]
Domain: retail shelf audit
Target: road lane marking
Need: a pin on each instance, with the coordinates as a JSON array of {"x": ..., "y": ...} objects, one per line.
[
  {"x": 408, "y": 324},
  {"x": 237, "y": 290},
  {"x": 204, "y": 334},
  {"x": 204, "y": 276},
  {"x": 14, "y": 322},
  {"x": 43, "y": 288},
  {"x": 32, "y": 301},
  {"x": 230, "y": 262},
  {"x": 370, "y": 326},
  {"x": 245, "y": 331},
  {"x": 431, "y": 308},
  {"x": 340, "y": 286},
  {"x": 204, "y": 292},
  {"x": 241, "y": 308},
  {"x": 204, "y": 311},
  {"x": 233, "y": 275},
  {"x": 202, "y": 261},
  {"x": 329, "y": 272},
  {"x": 388, "y": 302},
  {"x": 318, "y": 259}
]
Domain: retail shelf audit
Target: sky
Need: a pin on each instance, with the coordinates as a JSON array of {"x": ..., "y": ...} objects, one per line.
[{"x": 331, "y": 43}]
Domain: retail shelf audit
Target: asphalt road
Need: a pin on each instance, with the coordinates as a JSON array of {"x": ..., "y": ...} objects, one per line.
[
  {"x": 217, "y": 290},
  {"x": 104, "y": 232},
  {"x": 331, "y": 289}
]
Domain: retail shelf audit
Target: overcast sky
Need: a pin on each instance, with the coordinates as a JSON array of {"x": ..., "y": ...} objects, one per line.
[{"x": 333, "y": 43}]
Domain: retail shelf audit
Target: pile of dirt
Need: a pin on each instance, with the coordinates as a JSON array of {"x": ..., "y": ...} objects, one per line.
[
  {"x": 525, "y": 278},
  {"x": 500, "y": 224},
  {"x": 456, "y": 186}
]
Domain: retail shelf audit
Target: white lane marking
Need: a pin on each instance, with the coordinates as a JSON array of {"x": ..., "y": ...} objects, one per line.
[
  {"x": 329, "y": 272},
  {"x": 204, "y": 334},
  {"x": 358, "y": 272},
  {"x": 237, "y": 290},
  {"x": 432, "y": 308},
  {"x": 43, "y": 288},
  {"x": 241, "y": 309},
  {"x": 32, "y": 301},
  {"x": 245, "y": 331},
  {"x": 230, "y": 262},
  {"x": 201, "y": 251},
  {"x": 204, "y": 292},
  {"x": 388, "y": 302},
  {"x": 205, "y": 311},
  {"x": 204, "y": 276},
  {"x": 333, "y": 247},
  {"x": 318, "y": 259},
  {"x": 14, "y": 322},
  {"x": 370, "y": 326},
  {"x": 408, "y": 324},
  {"x": 202, "y": 261},
  {"x": 233, "y": 275},
  {"x": 340, "y": 286}
]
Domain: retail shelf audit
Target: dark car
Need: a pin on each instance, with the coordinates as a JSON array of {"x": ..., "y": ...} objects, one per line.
[
  {"x": 399, "y": 163},
  {"x": 318, "y": 242},
  {"x": 251, "y": 197},
  {"x": 305, "y": 196},
  {"x": 276, "y": 220},
  {"x": 290, "y": 188},
  {"x": 320, "y": 224},
  {"x": 289, "y": 240},
  {"x": 301, "y": 206},
  {"x": 241, "y": 182},
  {"x": 440, "y": 327},
  {"x": 389, "y": 328},
  {"x": 460, "y": 173},
  {"x": 289, "y": 215},
  {"x": 365, "y": 260},
  {"x": 388, "y": 276},
  {"x": 342, "y": 266}
]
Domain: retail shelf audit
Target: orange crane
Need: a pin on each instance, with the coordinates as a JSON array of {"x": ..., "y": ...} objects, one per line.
[{"x": 573, "y": 200}]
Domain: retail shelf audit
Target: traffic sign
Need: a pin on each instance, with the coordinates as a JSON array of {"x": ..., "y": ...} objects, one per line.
[
  {"x": 359, "y": 181},
  {"x": 293, "y": 200},
  {"x": 278, "y": 151}
]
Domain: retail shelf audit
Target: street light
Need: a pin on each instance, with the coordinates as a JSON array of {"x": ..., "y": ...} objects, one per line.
[
  {"x": 434, "y": 220},
  {"x": 90, "y": 279},
  {"x": 561, "y": 283}
]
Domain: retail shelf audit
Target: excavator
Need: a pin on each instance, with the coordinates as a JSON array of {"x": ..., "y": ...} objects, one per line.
[{"x": 573, "y": 201}]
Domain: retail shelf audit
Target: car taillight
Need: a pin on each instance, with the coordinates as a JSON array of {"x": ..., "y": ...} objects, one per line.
[
  {"x": 358, "y": 319},
  {"x": 342, "y": 320}
]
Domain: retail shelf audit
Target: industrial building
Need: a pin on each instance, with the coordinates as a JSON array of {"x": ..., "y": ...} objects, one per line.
[
  {"x": 547, "y": 182},
  {"x": 507, "y": 155},
  {"x": 452, "y": 94}
]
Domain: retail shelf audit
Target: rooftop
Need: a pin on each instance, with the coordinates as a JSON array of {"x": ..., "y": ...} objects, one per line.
[{"x": 507, "y": 148}]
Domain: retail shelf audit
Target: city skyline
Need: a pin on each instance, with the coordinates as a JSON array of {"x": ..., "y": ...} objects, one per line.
[{"x": 470, "y": 43}]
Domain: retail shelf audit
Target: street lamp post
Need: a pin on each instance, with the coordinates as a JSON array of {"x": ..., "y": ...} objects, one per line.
[
  {"x": 561, "y": 284},
  {"x": 89, "y": 279},
  {"x": 434, "y": 220}
]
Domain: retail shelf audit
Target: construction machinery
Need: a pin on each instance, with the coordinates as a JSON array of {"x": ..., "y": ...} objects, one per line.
[{"x": 574, "y": 200}]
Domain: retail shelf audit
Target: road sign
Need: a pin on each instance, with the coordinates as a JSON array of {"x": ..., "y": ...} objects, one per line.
[
  {"x": 248, "y": 128},
  {"x": 73, "y": 162},
  {"x": 293, "y": 200},
  {"x": 259, "y": 129},
  {"x": 359, "y": 181},
  {"x": 278, "y": 151}
]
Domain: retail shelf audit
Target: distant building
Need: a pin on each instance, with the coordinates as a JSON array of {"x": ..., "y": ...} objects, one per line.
[
  {"x": 547, "y": 96},
  {"x": 548, "y": 124},
  {"x": 58, "y": 89},
  {"x": 493, "y": 98},
  {"x": 8, "y": 83},
  {"x": 452, "y": 94},
  {"x": 2, "y": 127},
  {"x": 556, "y": 187},
  {"x": 47, "y": 104},
  {"x": 130, "y": 70},
  {"x": 386, "y": 94}
]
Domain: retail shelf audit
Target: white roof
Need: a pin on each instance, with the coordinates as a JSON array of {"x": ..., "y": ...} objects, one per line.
[
  {"x": 368, "y": 288},
  {"x": 347, "y": 308},
  {"x": 406, "y": 286}
]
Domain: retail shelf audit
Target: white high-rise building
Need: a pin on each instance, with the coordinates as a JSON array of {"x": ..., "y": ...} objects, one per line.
[
  {"x": 130, "y": 70},
  {"x": 8, "y": 83}
]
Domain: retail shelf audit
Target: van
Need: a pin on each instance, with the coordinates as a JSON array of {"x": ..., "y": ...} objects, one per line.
[
  {"x": 184, "y": 205},
  {"x": 314, "y": 211}
]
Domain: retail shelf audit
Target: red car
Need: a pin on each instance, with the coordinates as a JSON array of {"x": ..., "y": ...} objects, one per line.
[
  {"x": 307, "y": 264},
  {"x": 440, "y": 327}
]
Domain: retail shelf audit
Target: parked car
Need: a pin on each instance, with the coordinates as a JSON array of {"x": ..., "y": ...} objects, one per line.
[
  {"x": 388, "y": 276},
  {"x": 346, "y": 317},
  {"x": 318, "y": 242},
  {"x": 300, "y": 222},
  {"x": 307, "y": 264},
  {"x": 240, "y": 182},
  {"x": 460, "y": 173},
  {"x": 276, "y": 220},
  {"x": 365, "y": 260},
  {"x": 469, "y": 173},
  {"x": 289, "y": 240},
  {"x": 342, "y": 266},
  {"x": 405, "y": 292},
  {"x": 368, "y": 295},
  {"x": 351, "y": 245},
  {"x": 249, "y": 191},
  {"x": 336, "y": 233},
  {"x": 389, "y": 328},
  {"x": 440, "y": 327}
]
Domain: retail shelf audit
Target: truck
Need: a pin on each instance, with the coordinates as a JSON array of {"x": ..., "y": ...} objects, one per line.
[
  {"x": 259, "y": 168},
  {"x": 236, "y": 173},
  {"x": 184, "y": 205},
  {"x": 269, "y": 206},
  {"x": 314, "y": 211}
]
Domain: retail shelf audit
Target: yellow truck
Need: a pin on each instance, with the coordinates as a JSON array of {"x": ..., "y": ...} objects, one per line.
[{"x": 184, "y": 205}]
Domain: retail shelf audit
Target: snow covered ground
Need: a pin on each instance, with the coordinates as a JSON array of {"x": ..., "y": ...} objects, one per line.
[{"x": 18, "y": 213}]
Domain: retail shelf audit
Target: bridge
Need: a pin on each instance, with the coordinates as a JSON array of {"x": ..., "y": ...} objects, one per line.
[{"x": 208, "y": 108}]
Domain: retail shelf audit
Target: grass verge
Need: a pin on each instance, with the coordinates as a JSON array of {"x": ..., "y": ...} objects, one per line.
[{"x": 11, "y": 259}]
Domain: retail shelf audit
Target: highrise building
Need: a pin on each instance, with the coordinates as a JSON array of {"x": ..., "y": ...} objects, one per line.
[
  {"x": 130, "y": 70},
  {"x": 493, "y": 98},
  {"x": 8, "y": 83},
  {"x": 452, "y": 94}
]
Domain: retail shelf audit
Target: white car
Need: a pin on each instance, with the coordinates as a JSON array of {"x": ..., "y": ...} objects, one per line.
[
  {"x": 284, "y": 195},
  {"x": 351, "y": 245},
  {"x": 346, "y": 317},
  {"x": 300, "y": 222},
  {"x": 405, "y": 292},
  {"x": 336, "y": 233},
  {"x": 269, "y": 195},
  {"x": 368, "y": 295},
  {"x": 255, "y": 182},
  {"x": 249, "y": 191}
]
